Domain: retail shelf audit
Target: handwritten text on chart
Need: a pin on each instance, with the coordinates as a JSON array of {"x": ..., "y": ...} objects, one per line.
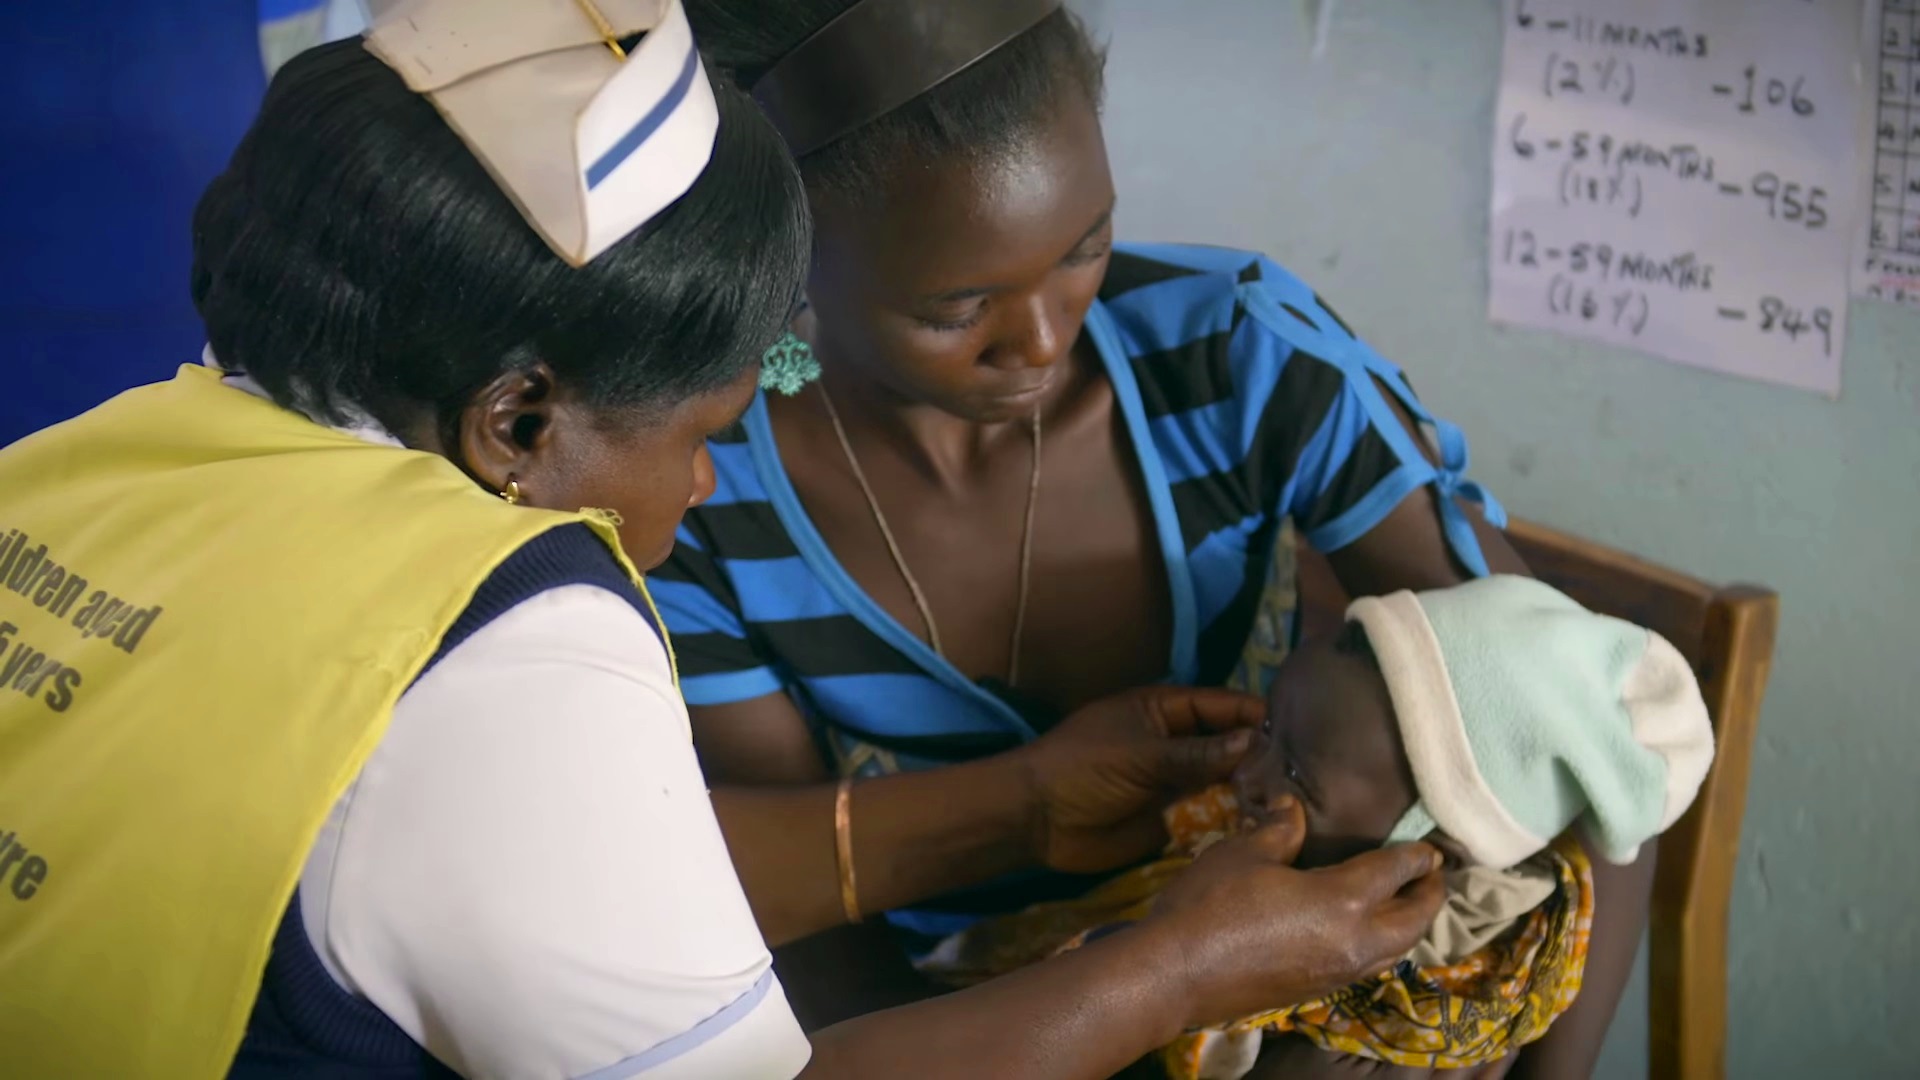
[
  {"x": 1567, "y": 291},
  {"x": 1607, "y": 170},
  {"x": 1683, "y": 188}
]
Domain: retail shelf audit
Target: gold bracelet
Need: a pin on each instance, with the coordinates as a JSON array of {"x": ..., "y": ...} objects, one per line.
[{"x": 843, "y": 848}]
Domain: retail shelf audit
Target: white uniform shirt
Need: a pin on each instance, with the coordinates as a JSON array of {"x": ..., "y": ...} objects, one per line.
[{"x": 527, "y": 876}]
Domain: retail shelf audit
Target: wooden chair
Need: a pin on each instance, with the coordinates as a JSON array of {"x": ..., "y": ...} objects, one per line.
[{"x": 1727, "y": 633}]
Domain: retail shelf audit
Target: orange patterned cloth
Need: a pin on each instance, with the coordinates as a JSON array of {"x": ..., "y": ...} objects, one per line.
[{"x": 1468, "y": 1013}]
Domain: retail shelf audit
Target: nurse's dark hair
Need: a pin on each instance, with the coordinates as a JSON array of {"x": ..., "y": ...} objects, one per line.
[
  {"x": 987, "y": 108},
  {"x": 355, "y": 256}
]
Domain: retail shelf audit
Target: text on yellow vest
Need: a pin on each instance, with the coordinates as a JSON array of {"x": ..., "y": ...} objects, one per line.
[{"x": 208, "y": 608}]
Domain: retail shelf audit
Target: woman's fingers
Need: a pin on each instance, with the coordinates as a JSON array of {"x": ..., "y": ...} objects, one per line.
[
  {"x": 1402, "y": 889},
  {"x": 1377, "y": 876},
  {"x": 1206, "y": 732},
  {"x": 1259, "y": 933},
  {"x": 1188, "y": 710},
  {"x": 1193, "y": 762},
  {"x": 1280, "y": 839},
  {"x": 1410, "y": 912}
]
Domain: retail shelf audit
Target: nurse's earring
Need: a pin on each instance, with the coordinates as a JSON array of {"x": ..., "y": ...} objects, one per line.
[
  {"x": 512, "y": 493},
  {"x": 789, "y": 366}
]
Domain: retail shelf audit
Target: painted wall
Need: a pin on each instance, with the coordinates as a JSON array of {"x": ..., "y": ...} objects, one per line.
[
  {"x": 114, "y": 116},
  {"x": 1367, "y": 173}
]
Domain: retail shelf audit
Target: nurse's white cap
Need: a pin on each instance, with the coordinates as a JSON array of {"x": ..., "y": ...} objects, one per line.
[{"x": 589, "y": 145}]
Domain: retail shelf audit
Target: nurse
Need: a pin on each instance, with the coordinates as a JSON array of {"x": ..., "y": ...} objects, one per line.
[{"x": 338, "y": 736}]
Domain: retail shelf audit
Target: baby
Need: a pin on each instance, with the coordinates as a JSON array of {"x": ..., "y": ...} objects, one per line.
[{"x": 1486, "y": 719}]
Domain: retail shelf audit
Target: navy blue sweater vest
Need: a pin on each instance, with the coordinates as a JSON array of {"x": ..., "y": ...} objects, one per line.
[{"x": 304, "y": 1026}]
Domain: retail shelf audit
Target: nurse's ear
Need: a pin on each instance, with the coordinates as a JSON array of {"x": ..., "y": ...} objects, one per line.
[{"x": 505, "y": 434}]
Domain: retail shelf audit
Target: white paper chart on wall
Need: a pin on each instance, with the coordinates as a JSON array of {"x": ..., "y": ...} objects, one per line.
[
  {"x": 1888, "y": 264},
  {"x": 1682, "y": 178}
]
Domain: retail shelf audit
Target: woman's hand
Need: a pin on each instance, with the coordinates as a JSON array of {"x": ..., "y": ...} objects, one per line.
[
  {"x": 1102, "y": 777},
  {"x": 1253, "y": 933},
  {"x": 1238, "y": 931},
  {"x": 1087, "y": 797}
]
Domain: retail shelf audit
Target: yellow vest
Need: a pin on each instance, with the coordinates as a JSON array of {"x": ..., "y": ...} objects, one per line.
[{"x": 208, "y": 607}]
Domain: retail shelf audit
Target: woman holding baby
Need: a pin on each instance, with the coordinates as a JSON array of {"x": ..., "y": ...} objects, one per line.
[{"x": 1009, "y": 466}]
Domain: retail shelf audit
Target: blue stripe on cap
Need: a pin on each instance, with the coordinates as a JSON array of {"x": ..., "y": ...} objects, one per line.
[{"x": 650, "y": 123}]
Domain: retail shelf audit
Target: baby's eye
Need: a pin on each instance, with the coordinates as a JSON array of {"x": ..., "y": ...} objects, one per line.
[{"x": 1293, "y": 774}]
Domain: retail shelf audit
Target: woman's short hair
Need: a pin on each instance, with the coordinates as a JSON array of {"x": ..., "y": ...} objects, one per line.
[
  {"x": 355, "y": 257},
  {"x": 987, "y": 108}
]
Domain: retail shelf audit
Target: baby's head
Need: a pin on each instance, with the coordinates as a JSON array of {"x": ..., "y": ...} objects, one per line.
[
  {"x": 1486, "y": 718},
  {"x": 1331, "y": 740}
]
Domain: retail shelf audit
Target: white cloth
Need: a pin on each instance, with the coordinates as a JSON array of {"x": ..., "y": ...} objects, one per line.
[
  {"x": 1483, "y": 903},
  {"x": 527, "y": 876}
]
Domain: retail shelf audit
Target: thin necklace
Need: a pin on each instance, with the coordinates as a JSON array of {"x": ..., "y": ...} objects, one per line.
[{"x": 900, "y": 560}]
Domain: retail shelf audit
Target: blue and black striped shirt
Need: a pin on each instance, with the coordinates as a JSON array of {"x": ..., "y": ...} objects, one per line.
[{"x": 1247, "y": 400}]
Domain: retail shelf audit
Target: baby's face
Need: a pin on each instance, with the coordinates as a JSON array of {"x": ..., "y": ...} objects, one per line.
[{"x": 1331, "y": 740}]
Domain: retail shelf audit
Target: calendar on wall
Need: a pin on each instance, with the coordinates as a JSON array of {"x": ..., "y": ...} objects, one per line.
[{"x": 1887, "y": 266}]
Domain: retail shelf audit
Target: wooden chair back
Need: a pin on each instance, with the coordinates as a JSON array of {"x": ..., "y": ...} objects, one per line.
[{"x": 1727, "y": 633}]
